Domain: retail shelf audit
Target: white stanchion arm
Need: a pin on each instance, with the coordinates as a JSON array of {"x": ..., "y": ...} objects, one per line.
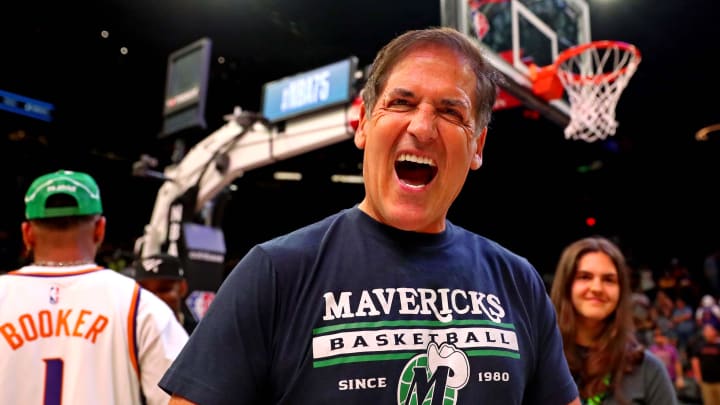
[{"x": 243, "y": 143}]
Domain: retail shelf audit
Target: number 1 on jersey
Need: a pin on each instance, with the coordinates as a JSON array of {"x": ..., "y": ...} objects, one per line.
[{"x": 53, "y": 381}]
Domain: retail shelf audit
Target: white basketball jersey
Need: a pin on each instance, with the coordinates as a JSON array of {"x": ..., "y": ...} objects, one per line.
[{"x": 83, "y": 335}]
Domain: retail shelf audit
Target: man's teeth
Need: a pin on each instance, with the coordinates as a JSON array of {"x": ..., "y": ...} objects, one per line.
[{"x": 406, "y": 157}]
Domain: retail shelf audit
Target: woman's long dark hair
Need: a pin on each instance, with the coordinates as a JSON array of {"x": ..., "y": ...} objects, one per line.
[{"x": 617, "y": 350}]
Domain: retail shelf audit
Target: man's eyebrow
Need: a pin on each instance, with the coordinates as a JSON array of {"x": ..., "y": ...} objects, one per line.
[
  {"x": 448, "y": 102},
  {"x": 400, "y": 92},
  {"x": 453, "y": 102}
]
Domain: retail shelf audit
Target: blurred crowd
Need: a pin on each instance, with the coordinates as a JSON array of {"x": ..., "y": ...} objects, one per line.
[{"x": 677, "y": 317}]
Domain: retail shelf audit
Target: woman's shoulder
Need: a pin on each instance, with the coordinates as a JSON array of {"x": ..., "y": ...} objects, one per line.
[{"x": 651, "y": 362}]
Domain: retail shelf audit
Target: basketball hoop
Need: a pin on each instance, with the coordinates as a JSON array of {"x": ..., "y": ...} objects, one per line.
[{"x": 594, "y": 76}]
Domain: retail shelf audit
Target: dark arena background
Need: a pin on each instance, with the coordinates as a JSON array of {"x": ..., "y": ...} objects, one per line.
[{"x": 86, "y": 92}]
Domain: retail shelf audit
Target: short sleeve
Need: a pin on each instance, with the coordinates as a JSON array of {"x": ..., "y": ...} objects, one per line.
[{"x": 226, "y": 360}]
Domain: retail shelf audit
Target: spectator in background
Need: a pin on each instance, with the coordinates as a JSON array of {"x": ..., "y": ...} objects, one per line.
[
  {"x": 666, "y": 351},
  {"x": 685, "y": 285},
  {"x": 708, "y": 312},
  {"x": 73, "y": 332},
  {"x": 662, "y": 315},
  {"x": 647, "y": 281},
  {"x": 705, "y": 361},
  {"x": 683, "y": 318},
  {"x": 664, "y": 302},
  {"x": 163, "y": 275},
  {"x": 667, "y": 282},
  {"x": 642, "y": 315},
  {"x": 592, "y": 295},
  {"x": 711, "y": 273}
]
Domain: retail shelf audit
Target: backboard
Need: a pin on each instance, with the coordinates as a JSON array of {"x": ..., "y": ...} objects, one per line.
[{"x": 518, "y": 33}]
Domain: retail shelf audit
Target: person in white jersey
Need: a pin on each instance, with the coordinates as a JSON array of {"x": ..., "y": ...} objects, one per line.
[{"x": 73, "y": 332}]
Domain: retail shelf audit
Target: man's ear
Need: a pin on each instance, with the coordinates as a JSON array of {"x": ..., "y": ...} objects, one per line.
[
  {"x": 28, "y": 235},
  {"x": 183, "y": 288},
  {"x": 360, "y": 131},
  {"x": 99, "y": 232},
  {"x": 479, "y": 145}
]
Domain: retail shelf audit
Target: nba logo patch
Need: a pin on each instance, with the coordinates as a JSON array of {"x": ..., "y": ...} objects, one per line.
[
  {"x": 198, "y": 303},
  {"x": 54, "y": 296}
]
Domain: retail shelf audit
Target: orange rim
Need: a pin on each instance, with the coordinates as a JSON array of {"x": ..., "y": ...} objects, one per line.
[{"x": 603, "y": 77}]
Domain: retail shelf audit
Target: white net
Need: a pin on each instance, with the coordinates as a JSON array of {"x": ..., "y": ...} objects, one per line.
[{"x": 594, "y": 76}]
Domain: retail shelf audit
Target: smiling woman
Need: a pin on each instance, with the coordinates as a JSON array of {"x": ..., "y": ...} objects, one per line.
[{"x": 591, "y": 293}]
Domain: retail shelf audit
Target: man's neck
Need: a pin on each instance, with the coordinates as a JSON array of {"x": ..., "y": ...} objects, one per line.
[{"x": 61, "y": 263}]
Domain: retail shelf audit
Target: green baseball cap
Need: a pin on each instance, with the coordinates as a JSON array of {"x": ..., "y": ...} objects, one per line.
[{"x": 80, "y": 186}]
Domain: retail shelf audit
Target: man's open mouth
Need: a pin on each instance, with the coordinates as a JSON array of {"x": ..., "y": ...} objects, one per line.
[{"x": 415, "y": 170}]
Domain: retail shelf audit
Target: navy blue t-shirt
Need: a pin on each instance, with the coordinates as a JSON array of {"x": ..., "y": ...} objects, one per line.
[{"x": 351, "y": 311}]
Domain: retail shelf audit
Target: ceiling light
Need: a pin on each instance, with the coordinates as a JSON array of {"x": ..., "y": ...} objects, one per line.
[
  {"x": 347, "y": 178},
  {"x": 287, "y": 176}
]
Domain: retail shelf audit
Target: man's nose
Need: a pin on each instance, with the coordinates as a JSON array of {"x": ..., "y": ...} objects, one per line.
[{"x": 423, "y": 124}]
